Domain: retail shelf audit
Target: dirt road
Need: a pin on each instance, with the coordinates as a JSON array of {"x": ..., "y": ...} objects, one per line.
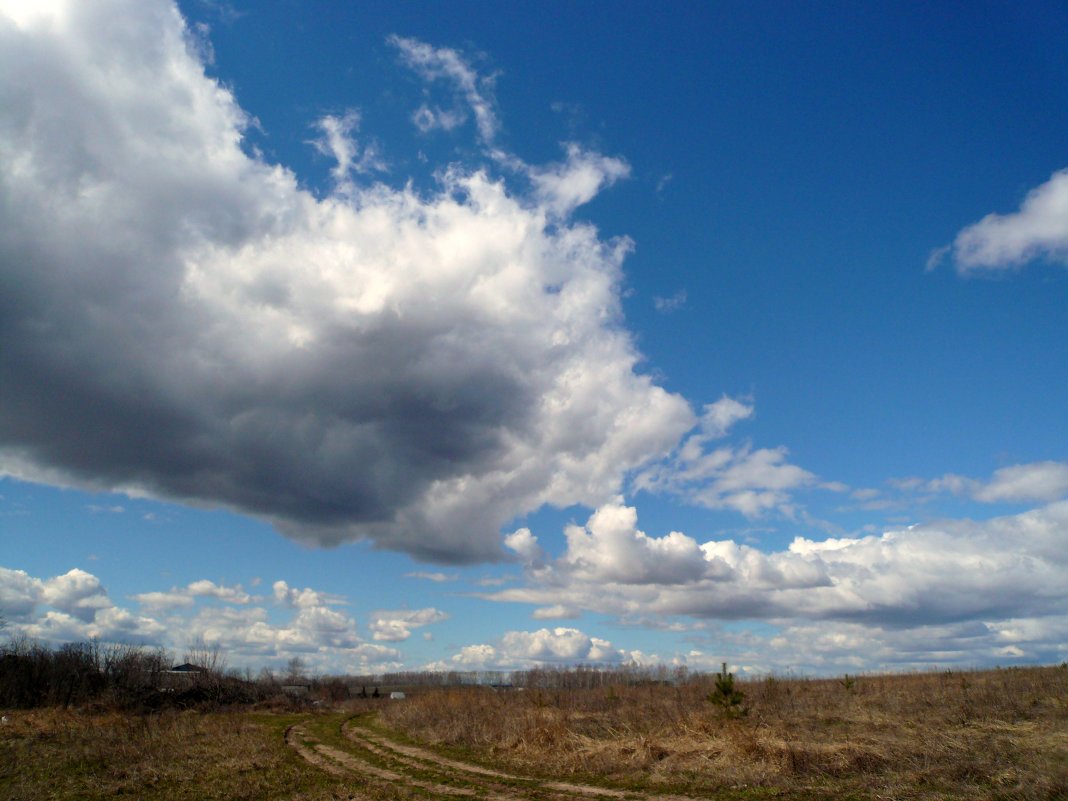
[{"x": 384, "y": 767}]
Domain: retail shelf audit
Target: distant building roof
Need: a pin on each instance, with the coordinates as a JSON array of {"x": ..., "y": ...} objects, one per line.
[{"x": 186, "y": 668}]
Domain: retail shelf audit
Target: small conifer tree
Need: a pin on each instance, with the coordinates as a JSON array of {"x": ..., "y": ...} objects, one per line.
[{"x": 725, "y": 696}]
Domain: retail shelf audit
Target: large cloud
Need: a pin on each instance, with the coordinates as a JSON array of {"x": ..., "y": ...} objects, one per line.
[
  {"x": 181, "y": 320},
  {"x": 1006, "y": 568}
]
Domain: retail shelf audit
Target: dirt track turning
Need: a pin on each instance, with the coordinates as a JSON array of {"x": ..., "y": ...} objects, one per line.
[{"x": 374, "y": 758}]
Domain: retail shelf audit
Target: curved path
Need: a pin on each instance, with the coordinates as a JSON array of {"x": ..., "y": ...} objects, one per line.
[{"x": 376, "y": 759}]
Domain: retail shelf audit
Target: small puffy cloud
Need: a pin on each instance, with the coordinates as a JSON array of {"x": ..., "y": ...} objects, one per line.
[
  {"x": 672, "y": 303},
  {"x": 474, "y": 657},
  {"x": 563, "y": 187},
  {"x": 300, "y": 599},
  {"x": 1001, "y": 242},
  {"x": 518, "y": 649},
  {"x": 337, "y": 140},
  {"x": 209, "y": 589},
  {"x": 556, "y": 645},
  {"x": 397, "y": 625},
  {"x": 77, "y": 593},
  {"x": 525, "y": 544},
  {"x": 719, "y": 417},
  {"x": 611, "y": 548}
]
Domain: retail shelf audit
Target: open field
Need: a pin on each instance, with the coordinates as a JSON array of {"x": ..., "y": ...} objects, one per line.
[{"x": 993, "y": 735}]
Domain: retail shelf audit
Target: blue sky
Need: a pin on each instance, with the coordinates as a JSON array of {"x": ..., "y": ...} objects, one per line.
[{"x": 402, "y": 336}]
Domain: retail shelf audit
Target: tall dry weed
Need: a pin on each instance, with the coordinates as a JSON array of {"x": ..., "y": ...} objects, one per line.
[{"x": 990, "y": 734}]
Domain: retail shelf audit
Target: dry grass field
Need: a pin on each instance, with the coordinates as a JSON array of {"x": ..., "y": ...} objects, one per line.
[
  {"x": 59, "y": 754},
  {"x": 999, "y": 734},
  {"x": 990, "y": 735}
]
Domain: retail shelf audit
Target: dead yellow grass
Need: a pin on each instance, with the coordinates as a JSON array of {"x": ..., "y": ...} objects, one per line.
[
  {"x": 995, "y": 734},
  {"x": 58, "y": 754}
]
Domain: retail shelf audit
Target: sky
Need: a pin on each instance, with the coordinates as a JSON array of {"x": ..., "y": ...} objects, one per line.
[{"x": 397, "y": 336}]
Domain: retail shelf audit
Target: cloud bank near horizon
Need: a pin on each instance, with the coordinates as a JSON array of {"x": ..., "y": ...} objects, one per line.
[
  {"x": 938, "y": 573},
  {"x": 182, "y": 321}
]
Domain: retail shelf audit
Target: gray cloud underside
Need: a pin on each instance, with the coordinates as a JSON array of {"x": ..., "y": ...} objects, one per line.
[{"x": 179, "y": 319}]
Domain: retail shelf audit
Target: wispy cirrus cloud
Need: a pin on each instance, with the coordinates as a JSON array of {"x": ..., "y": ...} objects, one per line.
[
  {"x": 717, "y": 475},
  {"x": 436, "y": 576},
  {"x": 337, "y": 139},
  {"x": 475, "y": 91}
]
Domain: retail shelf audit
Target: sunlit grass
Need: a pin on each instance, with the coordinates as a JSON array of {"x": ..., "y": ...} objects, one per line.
[
  {"x": 56, "y": 754},
  {"x": 997, "y": 734}
]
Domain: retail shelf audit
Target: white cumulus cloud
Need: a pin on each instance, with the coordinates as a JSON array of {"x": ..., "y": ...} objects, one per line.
[
  {"x": 182, "y": 321},
  {"x": 1001, "y": 242},
  {"x": 397, "y": 625},
  {"x": 1033, "y": 481},
  {"x": 1012, "y": 567}
]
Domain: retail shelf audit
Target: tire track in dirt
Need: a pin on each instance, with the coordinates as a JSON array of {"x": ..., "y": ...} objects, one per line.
[
  {"x": 389, "y": 762},
  {"x": 295, "y": 737},
  {"x": 419, "y": 757},
  {"x": 343, "y": 763}
]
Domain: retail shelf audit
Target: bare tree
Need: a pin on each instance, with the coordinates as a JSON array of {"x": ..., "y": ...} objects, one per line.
[
  {"x": 295, "y": 669},
  {"x": 207, "y": 657}
]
